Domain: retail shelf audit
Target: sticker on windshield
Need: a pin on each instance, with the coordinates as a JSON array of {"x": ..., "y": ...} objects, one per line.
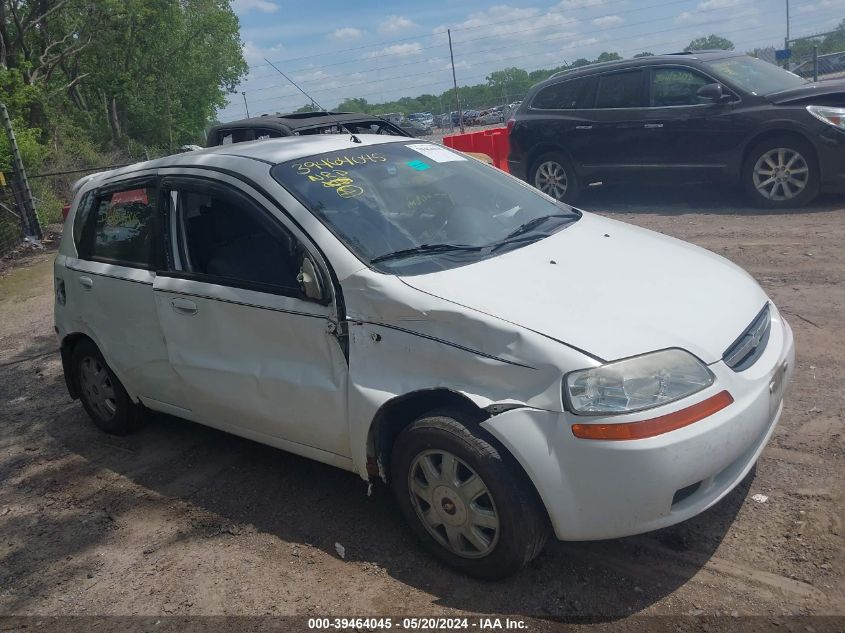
[
  {"x": 436, "y": 153},
  {"x": 418, "y": 165}
]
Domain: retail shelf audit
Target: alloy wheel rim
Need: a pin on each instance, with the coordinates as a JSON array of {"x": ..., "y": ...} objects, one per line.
[
  {"x": 551, "y": 179},
  {"x": 453, "y": 503},
  {"x": 97, "y": 386},
  {"x": 781, "y": 174}
]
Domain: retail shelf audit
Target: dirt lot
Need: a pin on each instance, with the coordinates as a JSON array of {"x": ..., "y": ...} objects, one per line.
[{"x": 181, "y": 519}]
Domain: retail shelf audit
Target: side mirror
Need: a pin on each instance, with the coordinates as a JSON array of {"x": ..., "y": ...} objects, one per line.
[
  {"x": 309, "y": 280},
  {"x": 714, "y": 92}
]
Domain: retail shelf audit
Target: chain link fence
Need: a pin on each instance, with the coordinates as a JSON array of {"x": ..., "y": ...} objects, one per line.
[{"x": 818, "y": 57}]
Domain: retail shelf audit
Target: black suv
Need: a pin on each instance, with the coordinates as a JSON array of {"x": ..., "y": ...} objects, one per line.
[{"x": 692, "y": 117}]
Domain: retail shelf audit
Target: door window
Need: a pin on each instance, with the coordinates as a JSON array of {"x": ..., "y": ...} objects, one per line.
[
  {"x": 560, "y": 96},
  {"x": 620, "y": 90},
  {"x": 123, "y": 227},
  {"x": 226, "y": 236},
  {"x": 676, "y": 87}
]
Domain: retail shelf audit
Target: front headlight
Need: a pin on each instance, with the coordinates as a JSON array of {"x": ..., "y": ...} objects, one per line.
[
  {"x": 637, "y": 383},
  {"x": 829, "y": 114}
]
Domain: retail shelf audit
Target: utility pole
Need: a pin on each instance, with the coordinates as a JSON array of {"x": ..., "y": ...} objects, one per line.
[
  {"x": 246, "y": 105},
  {"x": 22, "y": 193},
  {"x": 455, "y": 83},
  {"x": 786, "y": 39}
]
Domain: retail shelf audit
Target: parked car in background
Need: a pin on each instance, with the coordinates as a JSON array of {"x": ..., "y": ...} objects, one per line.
[
  {"x": 471, "y": 117},
  {"x": 413, "y": 127},
  {"x": 398, "y": 310},
  {"x": 491, "y": 117},
  {"x": 300, "y": 124},
  {"x": 425, "y": 118},
  {"x": 710, "y": 116}
]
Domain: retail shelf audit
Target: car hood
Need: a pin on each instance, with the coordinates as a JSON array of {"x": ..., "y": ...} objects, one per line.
[
  {"x": 819, "y": 93},
  {"x": 611, "y": 290}
]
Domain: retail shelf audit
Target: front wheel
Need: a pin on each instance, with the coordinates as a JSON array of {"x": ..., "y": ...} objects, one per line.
[
  {"x": 781, "y": 173},
  {"x": 466, "y": 499},
  {"x": 553, "y": 174}
]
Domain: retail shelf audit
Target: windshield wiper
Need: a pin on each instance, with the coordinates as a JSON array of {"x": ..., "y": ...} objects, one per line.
[
  {"x": 425, "y": 249},
  {"x": 522, "y": 229}
]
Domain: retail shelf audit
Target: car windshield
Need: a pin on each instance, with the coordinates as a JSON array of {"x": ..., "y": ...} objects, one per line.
[
  {"x": 755, "y": 75},
  {"x": 412, "y": 208}
]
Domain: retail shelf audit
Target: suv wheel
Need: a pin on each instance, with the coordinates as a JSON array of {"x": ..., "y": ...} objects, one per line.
[
  {"x": 552, "y": 174},
  {"x": 102, "y": 394},
  {"x": 466, "y": 499},
  {"x": 781, "y": 173}
]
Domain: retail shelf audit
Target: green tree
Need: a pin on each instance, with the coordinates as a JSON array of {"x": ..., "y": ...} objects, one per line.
[
  {"x": 508, "y": 81},
  {"x": 608, "y": 57},
  {"x": 356, "y": 104},
  {"x": 710, "y": 43}
]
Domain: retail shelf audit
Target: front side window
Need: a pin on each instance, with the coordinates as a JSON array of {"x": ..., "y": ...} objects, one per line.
[
  {"x": 560, "y": 96},
  {"x": 225, "y": 235},
  {"x": 620, "y": 90},
  {"x": 676, "y": 87},
  {"x": 124, "y": 227},
  {"x": 412, "y": 207}
]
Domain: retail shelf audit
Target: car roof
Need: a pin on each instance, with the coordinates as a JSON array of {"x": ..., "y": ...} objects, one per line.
[
  {"x": 294, "y": 120},
  {"x": 271, "y": 151},
  {"x": 638, "y": 62}
]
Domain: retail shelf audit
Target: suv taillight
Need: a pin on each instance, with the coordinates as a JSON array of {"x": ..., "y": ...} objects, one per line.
[
  {"x": 511, "y": 123},
  {"x": 65, "y": 211}
]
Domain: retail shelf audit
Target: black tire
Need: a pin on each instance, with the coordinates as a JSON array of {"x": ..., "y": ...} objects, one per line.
[
  {"x": 105, "y": 399},
  {"x": 773, "y": 195},
  {"x": 550, "y": 163},
  {"x": 522, "y": 525}
]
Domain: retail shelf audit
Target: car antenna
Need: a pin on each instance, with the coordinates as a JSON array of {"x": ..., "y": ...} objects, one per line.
[{"x": 352, "y": 136}]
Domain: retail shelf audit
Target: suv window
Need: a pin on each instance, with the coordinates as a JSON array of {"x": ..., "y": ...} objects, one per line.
[
  {"x": 620, "y": 90},
  {"x": 226, "y": 235},
  {"x": 560, "y": 96},
  {"x": 676, "y": 87},
  {"x": 124, "y": 227}
]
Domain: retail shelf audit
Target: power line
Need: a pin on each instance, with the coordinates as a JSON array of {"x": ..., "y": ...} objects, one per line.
[
  {"x": 436, "y": 34},
  {"x": 507, "y": 58},
  {"x": 324, "y": 79}
]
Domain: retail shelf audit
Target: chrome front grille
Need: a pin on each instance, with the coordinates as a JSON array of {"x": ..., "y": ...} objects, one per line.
[{"x": 746, "y": 349}]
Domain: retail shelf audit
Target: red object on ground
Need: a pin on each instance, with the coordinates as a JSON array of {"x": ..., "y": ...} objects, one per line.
[{"x": 493, "y": 142}]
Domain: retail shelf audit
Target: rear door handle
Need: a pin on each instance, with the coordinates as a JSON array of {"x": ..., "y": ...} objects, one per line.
[
  {"x": 651, "y": 126},
  {"x": 184, "y": 306},
  {"x": 86, "y": 282},
  {"x": 583, "y": 127}
]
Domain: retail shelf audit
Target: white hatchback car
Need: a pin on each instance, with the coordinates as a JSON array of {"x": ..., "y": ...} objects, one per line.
[{"x": 510, "y": 365}]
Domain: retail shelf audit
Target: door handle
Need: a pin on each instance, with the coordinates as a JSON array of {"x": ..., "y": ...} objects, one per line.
[
  {"x": 184, "y": 306},
  {"x": 583, "y": 127},
  {"x": 86, "y": 282},
  {"x": 651, "y": 126}
]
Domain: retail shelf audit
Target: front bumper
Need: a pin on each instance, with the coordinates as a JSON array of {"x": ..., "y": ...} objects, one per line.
[
  {"x": 830, "y": 146},
  {"x": 607, "y": 489}
]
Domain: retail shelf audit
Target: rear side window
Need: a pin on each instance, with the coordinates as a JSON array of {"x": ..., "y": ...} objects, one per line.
[
  {"x": 620, "y": 90},
  {"x": 561, "y": 96},
  {"x": 676, "y": 87},
  {"x": 123, "y": 227}
]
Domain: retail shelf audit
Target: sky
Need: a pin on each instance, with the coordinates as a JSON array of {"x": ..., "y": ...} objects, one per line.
[{"x": 381, "y": 51}]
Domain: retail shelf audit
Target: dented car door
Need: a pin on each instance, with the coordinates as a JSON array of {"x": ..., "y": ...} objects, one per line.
[{"x": 253, "y": 353}]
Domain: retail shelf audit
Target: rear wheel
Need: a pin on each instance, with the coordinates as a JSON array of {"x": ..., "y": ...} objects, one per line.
[
  {"x": 101, "y": 393},
  {"x": 465, "y": 498},
  {"x": 553, "y": 174},
  {"x": 781, "y": 173}
]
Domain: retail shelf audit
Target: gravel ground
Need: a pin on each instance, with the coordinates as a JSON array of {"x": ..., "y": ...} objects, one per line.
[{"x": 184, "y": 520}]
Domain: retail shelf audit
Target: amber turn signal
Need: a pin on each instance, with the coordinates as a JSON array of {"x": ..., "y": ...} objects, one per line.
[{"x": 655, "y": 426}]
